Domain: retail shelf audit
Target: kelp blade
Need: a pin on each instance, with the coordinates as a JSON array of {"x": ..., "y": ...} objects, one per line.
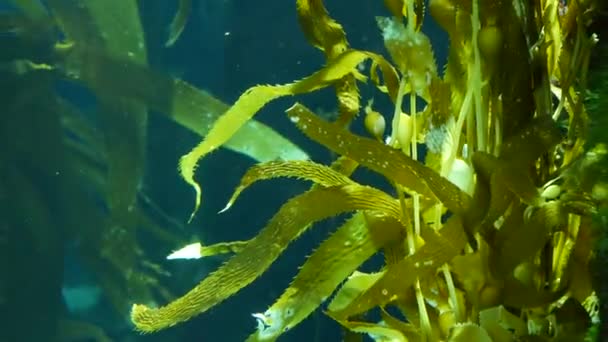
[
  {"x": 290, "y": 221},
  {"x": 193, "y": 108},
  {"x": 257, "y": 97},
  {"x": 320, "y": 174},
  {"x": 438, "y": 249},
  {"x": 179, "y": 21},
  {"x": 335, "y": 259},
  {"x": 391, "y": 163}
]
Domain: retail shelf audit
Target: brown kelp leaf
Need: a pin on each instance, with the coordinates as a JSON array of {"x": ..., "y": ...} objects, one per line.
[
  {"x": 255, "y": 98},
  {"x": 179, "y": 21},
  {"x": 380, "y": 158},
  {"x": 326, "y": 34},
  {"x": 531, "y": 142},
  {"x": 521, "y": 242},
  {"x": 335, "y": 259},
  {"x": 320, "y": 29},
  {"x": 307, "y": 170},
  {"x": 286, "y": 225},
  {"x": 439, "y": 248},
  {"x": 509, "y": 174}
]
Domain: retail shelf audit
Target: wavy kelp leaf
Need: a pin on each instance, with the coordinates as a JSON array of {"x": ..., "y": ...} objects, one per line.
[
  {"x": 509, "y": 175},
  {"x": 255, "y": 98},
  {"x": 522, "y": 241},
  {"x": 501, "y": 325},
  {"x": 439, "y": 248},
  {"x": 320, "y": 29},
  {"x": 117, "y": 31},
  {"x": 357, "y": 283},
  {"x": 194, "y": 109},
  {"x": 307, "y": 170},
  {"x": 179, "y": 21},
  {"x": 337, "y": 257},
  {"x": 467, "y": 332},
  {"x": 408, "y": 329},
  {"x": 262, "y": 250},
  {"x": 534, "y": 139},
  {"x": 473, "y": 273},
  {"x": 379, "y": 332},
  {"x": 380, "y": 158},
  {"x": 326, "y": 34}
]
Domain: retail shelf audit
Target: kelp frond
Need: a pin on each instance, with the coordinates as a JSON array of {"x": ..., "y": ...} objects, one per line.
[
  {"x": 483, "y": 231},
  {"x": 256, "y": 97}
]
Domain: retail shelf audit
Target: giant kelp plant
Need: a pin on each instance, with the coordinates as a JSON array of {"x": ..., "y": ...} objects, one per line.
[
  {"x": 72, "y": 174},
  {"x": 488, "y": 236}
]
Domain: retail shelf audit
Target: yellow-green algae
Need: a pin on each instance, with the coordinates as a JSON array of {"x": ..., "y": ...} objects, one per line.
[{"x": 454, "y": 261}]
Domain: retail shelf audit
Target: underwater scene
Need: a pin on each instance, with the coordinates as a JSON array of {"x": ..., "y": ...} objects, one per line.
[{"x": 303, "y": 170}]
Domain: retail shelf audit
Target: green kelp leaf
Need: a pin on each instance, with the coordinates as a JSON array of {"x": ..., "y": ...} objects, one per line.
[
  {"x": 473, "y": 273},
  {"x": 179, "y": 21},
  {"x": 379, "y": 332},
  {"x": 326, "y": 34},
  {"x": 408, "y": 329},
  {"x": 320, "y": 29},
  {"x": 257, "y": 97},
  {"x": 307, "y": 170},
  {"x": 468, "y": 332},
  {"x": 439, "y": 248},
  {"x": 192, "y": 108},
  {"x": 290, "y": 221},
  {"x": 380, "y": 158},
  {"x": 113, "y": 27},
  {"x": 501, "y": 325},
  {"x": 335, "y": 259},
  {"x": 357, "y": 283}
]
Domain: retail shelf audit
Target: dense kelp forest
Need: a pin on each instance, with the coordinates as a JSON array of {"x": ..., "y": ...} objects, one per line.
[{"x": 491, "y": 224}]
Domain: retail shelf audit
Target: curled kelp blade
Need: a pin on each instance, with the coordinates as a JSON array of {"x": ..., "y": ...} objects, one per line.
[
  {"x": 439, "y": 248},
  {"x": 320, "y": 29},
  {"x": 259, "y": 253},
  {"x": 250, "y": 102},
  {"x": 179, "y": 21},
  {"x": 190, "y": 107},
  {"x": 380, "y": 158},
  {"x": 306, "y": 170},
  {"x": 520, "y": 242},
  {"x": 327, "y": 35},
  {"x": 335, "y": 259}
]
